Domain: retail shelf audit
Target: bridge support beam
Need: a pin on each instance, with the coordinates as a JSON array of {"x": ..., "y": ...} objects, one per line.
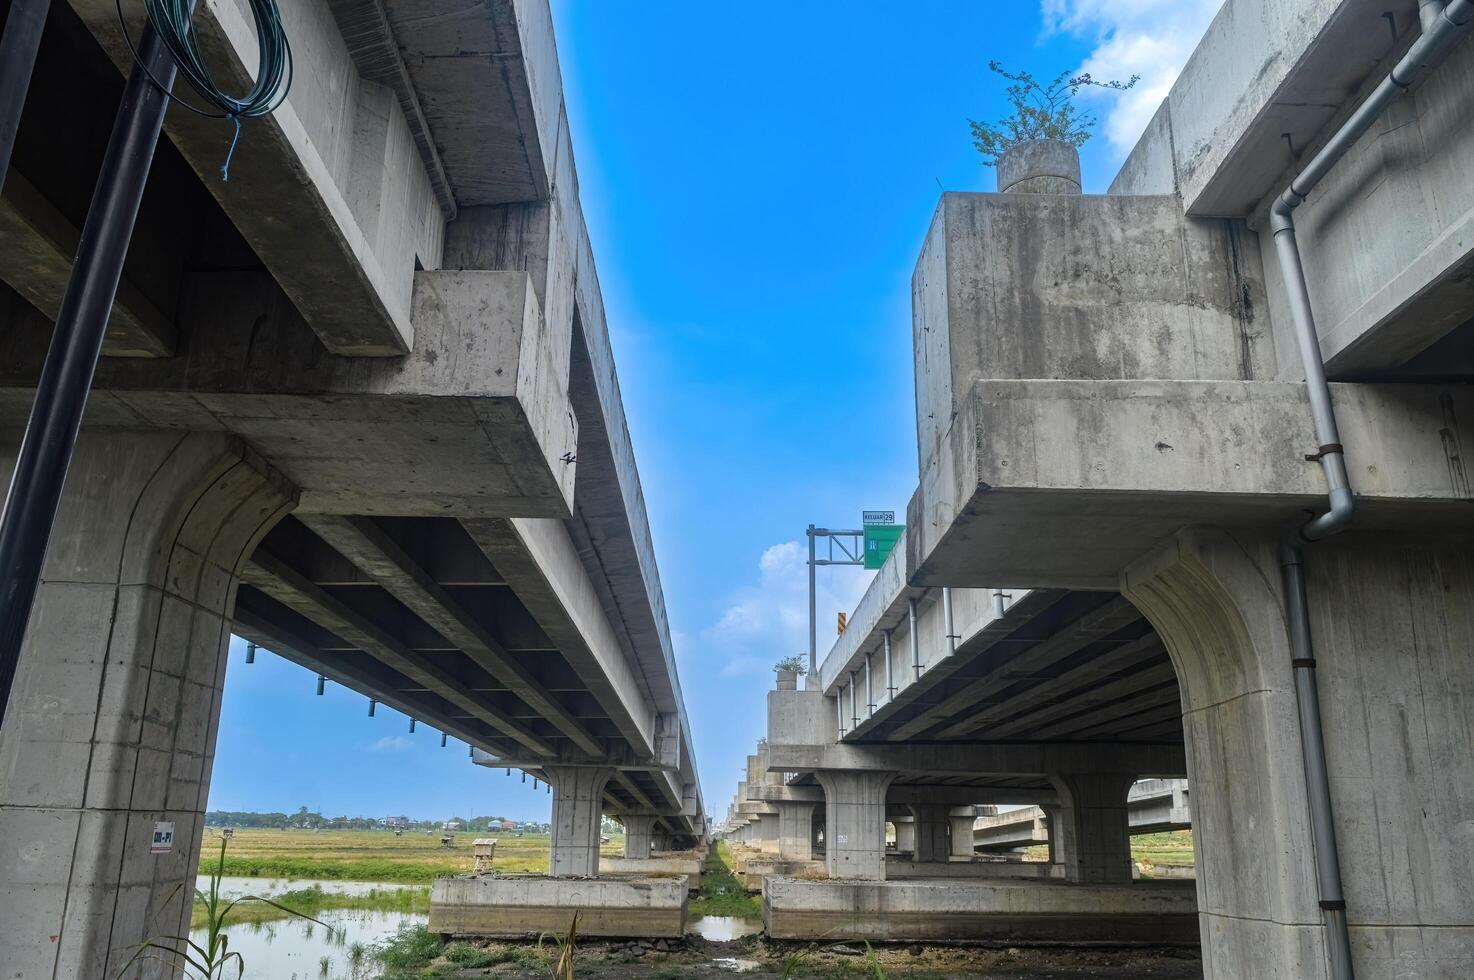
[
  {"x": 854, "y": 822},
  {"x": 111, "y": 728},
  {"x": 1092, "y": 835},
  {"x": 1392, "y": 627},
  {"x": 932, "y": 843},
  {"x": 578, "y": 808},
  {"x": 960, "y": 820},
  {"x": 905, "y": 834},
  {"x": 638, "y": 839},
  {"x": 796, "y": 831}
]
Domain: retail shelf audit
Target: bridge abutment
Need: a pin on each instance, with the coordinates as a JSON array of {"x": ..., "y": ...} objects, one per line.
[
  {"x": 110, "y": 731},
  {"x": 1393, "y": 629}
]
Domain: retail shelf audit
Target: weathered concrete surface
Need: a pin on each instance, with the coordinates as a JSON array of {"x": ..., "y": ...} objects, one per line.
[
  {"x": 1017, "y": 286},
  {"x": 112, "y": 721},
  {"x": 1039, "y": 167},
  {"x": 898, "y": 867},
  {"x": 1382, "y": 235},
  {"x": 1392, "y": 629},
  {"x": 1002, "y": 910},
  {"x": 519, "y": 906},
  {"x": 578, "y": 804},
  {"x": 655, "y": 866},
  {"x": 1113, "y": 468}
]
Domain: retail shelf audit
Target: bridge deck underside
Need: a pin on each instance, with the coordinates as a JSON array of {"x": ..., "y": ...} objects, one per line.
[
  {"x": 1067, "y": 666},
  {"x": 419, "y": 618}
]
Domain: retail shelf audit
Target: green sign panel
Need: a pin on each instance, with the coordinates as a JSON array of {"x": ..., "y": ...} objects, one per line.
[{"x": 880, "y": 540}]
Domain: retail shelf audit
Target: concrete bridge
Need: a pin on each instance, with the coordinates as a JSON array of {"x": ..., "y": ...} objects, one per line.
[
  {"x": 358, "y": 405},
  {"x": 1108, "y": 572},
  {"x": 1152, "y": 806}
]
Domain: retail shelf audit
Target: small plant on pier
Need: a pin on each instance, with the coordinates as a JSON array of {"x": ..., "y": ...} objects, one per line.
[
  {"x": 795, "y": 664},
  {"x": 1041, "y": 111}
]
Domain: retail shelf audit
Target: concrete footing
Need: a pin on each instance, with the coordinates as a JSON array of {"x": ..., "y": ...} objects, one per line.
[
  {"x": 657, "y": 866},
  {"x": 513, "y": 906},
  {"x": 1023, "y": 911}
]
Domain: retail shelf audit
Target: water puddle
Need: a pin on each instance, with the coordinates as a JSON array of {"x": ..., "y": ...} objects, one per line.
[
  {"x": 733, "y": 965},
  {"x": 291, "y": 948},
  {"x": 723, "y": 928}
]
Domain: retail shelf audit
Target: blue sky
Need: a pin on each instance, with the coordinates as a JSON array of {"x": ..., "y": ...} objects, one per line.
[{"x": 757, "y": 179}]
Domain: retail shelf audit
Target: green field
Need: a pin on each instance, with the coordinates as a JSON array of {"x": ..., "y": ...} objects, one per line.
[
  {"x": 1170, "y": 849},
  {"x": 370, "y": 855}
]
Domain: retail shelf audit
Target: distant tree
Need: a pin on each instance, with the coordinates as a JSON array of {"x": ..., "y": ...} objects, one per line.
[{"x": 1041, "y": 111}]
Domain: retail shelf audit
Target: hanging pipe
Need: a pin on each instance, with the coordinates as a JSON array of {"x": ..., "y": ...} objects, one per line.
[
  {"x": 854, "y": 706},
  {"x": 999, "y": 605},
  {"x": 890, "y": 684},
  {"x": 24, "y": 26},
  {"x": 250, "y": 653},
  {"x": 373, "y": 705},
  {"x": 952, "y": 636},
  {"x": 1442, "y": 24},
  {"x": 915, "y": 644},
  {"x": 869, "y": 690},
  {"x": 322, "y": 683},
  {"x": 839, "y": 713}
]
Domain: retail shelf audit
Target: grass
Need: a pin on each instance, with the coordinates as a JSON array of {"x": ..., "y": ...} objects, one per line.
[
  {"x": 377, "y": 855},
  {"x": 313, "y": 900},
  {"x": 1171, "y": 848},
  {"x": 722, "y": 893}
]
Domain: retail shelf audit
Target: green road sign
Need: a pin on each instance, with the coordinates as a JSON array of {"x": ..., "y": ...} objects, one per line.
[{"x": 880, "y": 539}]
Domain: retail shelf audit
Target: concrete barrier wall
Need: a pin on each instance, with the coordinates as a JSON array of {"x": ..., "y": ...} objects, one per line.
[
  {"x": 532, "y": 905},
  {"x": 1158, "y": 912}
]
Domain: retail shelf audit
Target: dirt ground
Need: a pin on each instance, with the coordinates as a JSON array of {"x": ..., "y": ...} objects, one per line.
[{"x": 758, "y": 959}]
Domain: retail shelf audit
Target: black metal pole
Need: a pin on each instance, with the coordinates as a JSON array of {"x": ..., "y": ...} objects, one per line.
[
  {"x": 66, "y": 378},
  {"x": 18, "y": 46}
]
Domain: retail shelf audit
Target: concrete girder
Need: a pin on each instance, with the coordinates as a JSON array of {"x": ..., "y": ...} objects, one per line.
[
  {"x": 337, "y": 155},
  {"x": 351, "y": 673},
  {"x": 365, "y": 544},
  {"x": 1157, "y": 682},
  {"x": 1094, "y": 625},
  {"x": 1028, "y": 707},
  {"x": 543, "y": 568},
  {"x": 37, "y": 245},
  {"x": 289, "y": 587}
]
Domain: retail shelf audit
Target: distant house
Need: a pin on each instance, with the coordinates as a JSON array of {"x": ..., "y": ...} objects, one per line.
[
  {"x": 451, "y": 825},
  {"x": 496, "y": 825}
]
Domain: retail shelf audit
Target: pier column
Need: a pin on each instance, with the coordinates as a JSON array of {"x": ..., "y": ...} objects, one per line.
[
  {"x": 796, "y": 831},
  {"x": 932, "y": 842},
  {"x": 110, "y": 731},
  {"x": 854, "y": 828},
  {"x": 960, "y": 821},
  {"x": 905, "y": 834},
  {"x": 578, "y": 808},
  {"x": 1094, "y": 833},
  {"x": 1393, "y": 630},
  {"x": 638, "y": 837}
]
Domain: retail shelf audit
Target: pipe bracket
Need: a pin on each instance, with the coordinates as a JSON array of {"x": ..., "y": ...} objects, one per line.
[{"x": 1324, "y": 451}]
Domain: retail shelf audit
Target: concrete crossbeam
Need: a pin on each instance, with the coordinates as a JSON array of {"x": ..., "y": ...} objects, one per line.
[
  {"x": 1116, "y": 467},
  {"x": 1015, "y": 759}
]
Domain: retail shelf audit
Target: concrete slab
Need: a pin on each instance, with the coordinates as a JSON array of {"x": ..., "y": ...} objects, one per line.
[
  {"x": 1025, "y": 911},
  {"x": 619, "y": 867},
  {"x": 511, "y": 906}
]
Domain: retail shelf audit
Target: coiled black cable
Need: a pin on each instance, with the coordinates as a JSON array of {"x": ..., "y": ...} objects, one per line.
[{"x": 173, "y": 21}]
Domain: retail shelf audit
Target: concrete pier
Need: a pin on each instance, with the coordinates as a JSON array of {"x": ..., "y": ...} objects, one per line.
[{"x": 524, "y": 906}]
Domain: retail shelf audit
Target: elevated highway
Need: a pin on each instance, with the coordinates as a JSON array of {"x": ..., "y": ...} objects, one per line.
[{"x": 357, "y": 405}]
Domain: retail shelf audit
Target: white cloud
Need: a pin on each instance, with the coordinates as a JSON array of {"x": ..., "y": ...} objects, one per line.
[
  {"x": 767, "y": 621},
  {"x": 391, "y": 743},
  {"x": 1150, "y": 38}
]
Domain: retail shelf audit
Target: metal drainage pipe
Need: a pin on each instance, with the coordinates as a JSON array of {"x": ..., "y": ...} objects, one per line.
[{"x": 1442, "y": 24}]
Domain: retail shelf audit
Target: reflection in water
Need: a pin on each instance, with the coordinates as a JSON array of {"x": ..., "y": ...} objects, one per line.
[
  {"x": 291, "y": 948},
  {"x": 723, "y": 928},
  {"x": 235, "y": 887}
]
